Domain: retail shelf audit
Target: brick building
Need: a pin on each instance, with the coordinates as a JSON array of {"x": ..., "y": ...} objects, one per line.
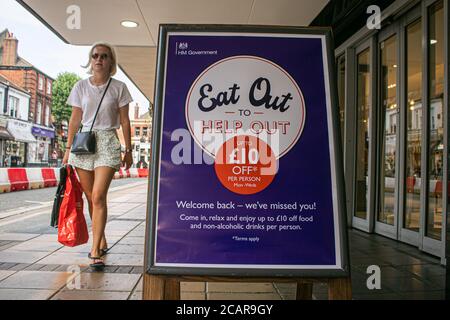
[
  {"x": 39, "y": 85},
  {"x": 15, "y": 129},
  {"x": 141, "y": 130}
]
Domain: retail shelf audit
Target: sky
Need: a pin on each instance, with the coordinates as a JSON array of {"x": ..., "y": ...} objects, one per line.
[{"x": 42, "y": 48}]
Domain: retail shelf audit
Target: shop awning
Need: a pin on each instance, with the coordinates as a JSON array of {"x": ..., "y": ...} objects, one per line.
[
  {"x": 4, "y": 134},
  {"x": 21, "y": 131},
  {"x": 136, "y": 48}
]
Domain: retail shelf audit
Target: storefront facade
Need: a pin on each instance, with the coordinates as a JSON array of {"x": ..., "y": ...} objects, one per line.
[
  {"x": 17, "y": 150},
  {"x": 393, "y": 93},
  {"x": 40, "y": 151},
  {"x": 4, "y": 137}
]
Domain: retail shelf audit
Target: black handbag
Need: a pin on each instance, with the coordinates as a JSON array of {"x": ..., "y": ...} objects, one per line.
[
  {"x": 84, "y": 142},
  {"x": 58, "y": 197}
]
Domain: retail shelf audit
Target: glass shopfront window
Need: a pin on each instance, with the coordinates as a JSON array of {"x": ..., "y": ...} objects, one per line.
[
  {"x": 397, "y": 109},
  {"x": 414, "y": 60},
  {"x": 363, "y": 136},
  {"x": 390, "y": 109},
  {"x": 436, "y": 123},
  {"x": 14, "y": 154}
]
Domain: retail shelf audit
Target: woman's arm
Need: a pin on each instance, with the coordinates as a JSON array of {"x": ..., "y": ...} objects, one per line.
[
  {"x": 74, "y": 124},
  {"x": 126, "y": 130}
]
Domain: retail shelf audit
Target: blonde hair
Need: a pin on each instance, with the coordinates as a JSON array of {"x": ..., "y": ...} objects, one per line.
[{"x": 113, "y": 57}]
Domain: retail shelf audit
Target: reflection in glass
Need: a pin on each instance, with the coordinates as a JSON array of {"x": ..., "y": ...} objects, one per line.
[
  {"x": 414, "y": 125},
  {"x": 341, "y": 92},
  {"x": 362, "y": 142},
  {"x": 389, "y": 105},
  {"x": 436, "y": 124}
]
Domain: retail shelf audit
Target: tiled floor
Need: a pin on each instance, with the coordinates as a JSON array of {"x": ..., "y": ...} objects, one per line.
[{"x": 34, "y": 266}]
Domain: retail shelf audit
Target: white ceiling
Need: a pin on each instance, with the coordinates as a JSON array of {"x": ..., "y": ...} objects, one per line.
[{"x": 100, "y": 20}]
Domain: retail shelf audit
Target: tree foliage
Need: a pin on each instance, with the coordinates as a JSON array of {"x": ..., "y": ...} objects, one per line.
[{"x": 62, "y": 87}]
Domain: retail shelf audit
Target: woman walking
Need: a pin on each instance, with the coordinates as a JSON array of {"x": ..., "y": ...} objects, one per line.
[{"x": 97, "y": 170}]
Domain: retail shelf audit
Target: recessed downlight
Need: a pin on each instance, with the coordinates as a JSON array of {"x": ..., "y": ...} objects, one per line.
[{"x": 129, "y": 24}]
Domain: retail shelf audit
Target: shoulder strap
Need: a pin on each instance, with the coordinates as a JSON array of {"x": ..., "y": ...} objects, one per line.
[{"x": 98, "y": 108}]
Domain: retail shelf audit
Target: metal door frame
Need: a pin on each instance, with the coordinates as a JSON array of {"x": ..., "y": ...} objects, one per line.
[
  {"x": 389, "y": 231},
  {"x": 406, "y": 235}
]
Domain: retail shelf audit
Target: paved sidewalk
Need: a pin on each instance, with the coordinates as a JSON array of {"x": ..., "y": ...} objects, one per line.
[{"x": 36, "y": 266}]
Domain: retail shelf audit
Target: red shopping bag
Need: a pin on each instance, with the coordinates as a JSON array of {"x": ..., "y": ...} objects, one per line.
[{"x": 72, "y": 228}]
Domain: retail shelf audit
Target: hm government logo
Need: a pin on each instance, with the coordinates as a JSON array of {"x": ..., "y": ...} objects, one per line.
[{"x": 182, "y": 49}]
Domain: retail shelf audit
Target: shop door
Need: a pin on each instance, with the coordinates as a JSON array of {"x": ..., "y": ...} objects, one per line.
[
  {"x": 363, "y": 141},
  {"x": 386, "y": 217},
  {"x": 412, "y": 134},
  {"x": 411, "y": 129}
]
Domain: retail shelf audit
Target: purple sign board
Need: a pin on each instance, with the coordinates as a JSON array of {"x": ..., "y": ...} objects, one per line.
[
  {"x": 247, "y": 172},
  {"x": 43, "y": 132}
]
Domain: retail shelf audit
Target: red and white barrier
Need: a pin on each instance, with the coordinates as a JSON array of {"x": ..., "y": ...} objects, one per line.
[
  {"x": 18, "y": 179},
  {"x": 5, "y": 185}
]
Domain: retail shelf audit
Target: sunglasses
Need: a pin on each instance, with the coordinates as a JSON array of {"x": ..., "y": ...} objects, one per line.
[{"x": 102, "y": 56}]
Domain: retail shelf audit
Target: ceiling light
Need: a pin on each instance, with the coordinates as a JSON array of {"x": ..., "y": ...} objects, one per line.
[{"x": 129, "y": 24}]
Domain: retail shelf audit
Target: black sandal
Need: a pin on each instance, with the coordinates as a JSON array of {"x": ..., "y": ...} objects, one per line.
[
  {"x": 103, "y": 253},
  {"x": 98, "y": 266}
]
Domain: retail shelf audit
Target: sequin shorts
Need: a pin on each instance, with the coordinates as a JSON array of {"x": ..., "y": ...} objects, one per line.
[{"x": 107, "y": 154}]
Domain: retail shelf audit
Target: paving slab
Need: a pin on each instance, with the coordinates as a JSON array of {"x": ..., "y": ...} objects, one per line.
[
  {"x": 108, "y": 281},
  {"x": 22, "y": 256},
  {"x": 67, "y": 294},
  {"x": 17, "y": 236},
  {"x": 36, "y": 280},
  {"x": 124, "y": 259},
  {"x": 19, "y": 267},
  {"x": 133, "y": 216},
  {"x": 123, "y": 207},
  {"x": 137, "y": 233},
  {"x": 137, "y": 270},
  {"x": 9, "y": 244},
  {"x": 128, "y": 248},
  {"x": 47, "y": 238},
  {"x": 122, "y": 225},
  {"x": 140, "y": 285},
  {"x": 5, "y": 274},
  {"x": 25, "y": 294},
  {"x": 39, "y": 246},
  {"x": 124, "y": 269},
  {"x": 86, "y": 248},
  {"x": 136, "y": 296},
  {"x": 115, "y": 233},
  {"x": 66, "y": 258},
  {"x": 132, "y": 240}
]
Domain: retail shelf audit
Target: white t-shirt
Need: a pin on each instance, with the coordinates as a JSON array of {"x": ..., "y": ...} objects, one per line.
[{"x": 86, "y": 96}]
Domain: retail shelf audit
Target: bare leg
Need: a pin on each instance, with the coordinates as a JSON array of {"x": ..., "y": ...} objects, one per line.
[
  {"x": 87, "y": 184},
  {"x": 103, "y": 178}
]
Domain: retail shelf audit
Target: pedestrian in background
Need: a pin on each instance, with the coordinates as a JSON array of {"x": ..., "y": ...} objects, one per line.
[{"x": 96, "y": 171}]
